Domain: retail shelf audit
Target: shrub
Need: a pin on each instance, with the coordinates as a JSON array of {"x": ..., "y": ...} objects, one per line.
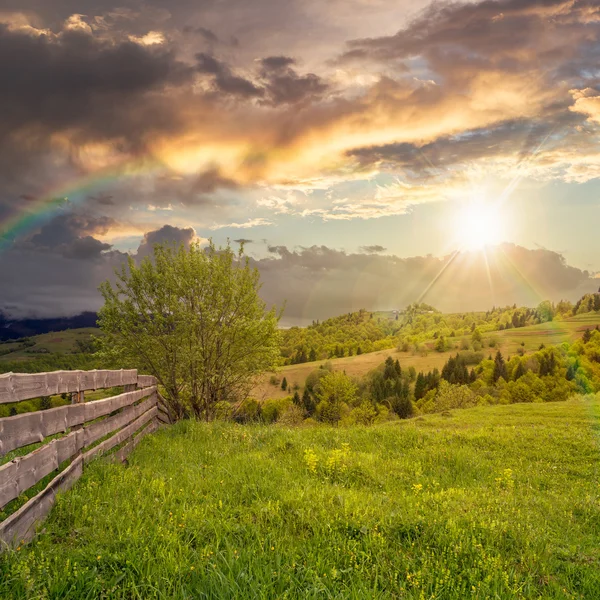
[
  {"x": 292, "y": 415},
  {"x": 453, "y": 396},
  {"x": 247, "y": 411},
  {"x": 471, "y": 358},
  {"x": 223, "y": 411},
  {"x": 273, "y": 408},
  {"x": 364, "y": 414}
]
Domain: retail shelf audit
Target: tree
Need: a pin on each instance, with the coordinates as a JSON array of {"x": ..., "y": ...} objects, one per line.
[
  {"x": 545, "y": 311},
  {"x": 192, "y": 317},
  {"x": 284, "y": 384},
  {"x": 440, "y": 345},
  {"x": 587, "y": 335},
  {"x": 499, "y": 368},
  {"x": 336, "y": 389},
  {"x": 476, "y": 336},
  {"x": 519, "y": 371},
  {"x": 312, "y": 355},
  {"x": 308, "y": 403},
  {"x": 296, "y": 399}
]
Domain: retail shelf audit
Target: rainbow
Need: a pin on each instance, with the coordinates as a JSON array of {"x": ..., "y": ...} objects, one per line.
[{"x": 32, "y": 214}]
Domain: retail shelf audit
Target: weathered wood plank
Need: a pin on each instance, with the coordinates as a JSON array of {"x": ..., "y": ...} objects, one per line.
[
  {"x": 163, "y": 417},
  {"x": 120, "y": 436},
  {"x": 15, "y": 387},
  {"x": 20, "y": 526},
  {"x": 122, "y": 453},
  {"x": 146, "y": 381},
  {"x": 29, "y": 428},
  {"x": 99, "y": 429},
  {"x": 24, "y": 472}
]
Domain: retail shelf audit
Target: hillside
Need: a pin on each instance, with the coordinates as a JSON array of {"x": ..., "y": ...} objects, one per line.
[
  {"x": 508, "y": 341},
  {"x": 494, "y": 502},
  {"x": 68, "y": 341}
]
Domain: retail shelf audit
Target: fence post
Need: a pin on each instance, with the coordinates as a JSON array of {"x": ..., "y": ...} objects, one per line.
[{"x": 78, "y": 398}]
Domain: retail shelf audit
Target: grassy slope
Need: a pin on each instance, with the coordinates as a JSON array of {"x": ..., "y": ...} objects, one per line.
[
  {"x": 54, "y": 342},
  {"x": 509, "y": 341},
  {"x": 495, "y": 502}
]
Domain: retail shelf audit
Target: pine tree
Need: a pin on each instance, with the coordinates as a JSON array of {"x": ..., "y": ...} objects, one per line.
[
  {"x": 284, "y": 384},
  {"x": 389, "y": 371},
  {"x": 519, "y": 371},
  {"x": 397, "y": 368},
  {"x": 499, "y": 367},
  {"x": 587, "y": 335},
  {"x": 296, "y": 399},
  {"x": 307, "y": 402},
  {"x": 420, "y": 386},
  {"x": 312, "y": 355}
]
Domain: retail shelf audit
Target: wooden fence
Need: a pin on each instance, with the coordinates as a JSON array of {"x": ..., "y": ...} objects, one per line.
[{"x": 76, "y": 428}]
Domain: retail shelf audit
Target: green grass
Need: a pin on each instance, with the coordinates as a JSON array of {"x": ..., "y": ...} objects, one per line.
[
  {"x": 493, "y": 502},
  {"x": 63, "y": 342}
]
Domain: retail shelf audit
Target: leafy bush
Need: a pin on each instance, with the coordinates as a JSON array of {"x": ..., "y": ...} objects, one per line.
[
  {"x": 273, "y": 408},
  {"x": 248, "y": 411}
]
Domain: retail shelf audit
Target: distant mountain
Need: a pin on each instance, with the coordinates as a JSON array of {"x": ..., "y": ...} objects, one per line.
[{"x": 11, "y": 329}]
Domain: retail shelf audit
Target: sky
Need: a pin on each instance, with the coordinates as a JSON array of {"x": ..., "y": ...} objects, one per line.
[{"x": 355, "y": 145}]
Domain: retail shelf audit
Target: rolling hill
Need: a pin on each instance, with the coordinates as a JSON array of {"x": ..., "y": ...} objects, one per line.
[{"x": 508, "y": 342}]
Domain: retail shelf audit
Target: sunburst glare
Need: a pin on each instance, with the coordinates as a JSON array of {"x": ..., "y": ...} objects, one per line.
[{"x": 478, "y": 224}]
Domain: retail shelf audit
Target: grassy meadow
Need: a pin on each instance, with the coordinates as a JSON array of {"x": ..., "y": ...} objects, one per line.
[
  {"x": 61, "y": 342},
  {"x": 508, "y": 342},
  {"x": 490, "y": 502}
]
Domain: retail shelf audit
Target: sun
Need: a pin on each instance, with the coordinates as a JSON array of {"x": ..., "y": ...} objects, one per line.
[{"x": 478, "y": 224}]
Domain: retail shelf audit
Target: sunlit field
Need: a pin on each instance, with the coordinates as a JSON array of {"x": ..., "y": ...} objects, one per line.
[
  {"x": 492, "y": 502},
  {"x": 508, "y": 342}
]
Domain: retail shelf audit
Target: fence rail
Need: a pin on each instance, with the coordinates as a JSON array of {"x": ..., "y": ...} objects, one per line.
[{"x": 121, "y": 419}]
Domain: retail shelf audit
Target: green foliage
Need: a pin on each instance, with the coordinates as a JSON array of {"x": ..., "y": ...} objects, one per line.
[
  {"x": 335, "y": 393},
  {"x": 544, "y": 311},
  {"x": 247, "y": 411},
  {"x": 273, "y": 408},
  {"x": 193, "y": 319},
  {"x": 449, "y": 396}
]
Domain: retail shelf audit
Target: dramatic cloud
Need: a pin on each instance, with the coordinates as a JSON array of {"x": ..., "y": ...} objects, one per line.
[
  {"x": 321, "y": 282},
  {"x": 236, "y": 115},
  {"x": 166, "y": 235},
  {"x": 57, "y": 272}
]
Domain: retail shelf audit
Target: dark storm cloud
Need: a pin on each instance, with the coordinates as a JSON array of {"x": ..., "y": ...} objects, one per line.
[
  {"x": 205, "y": 33},
  {"x": 276, "y": 63},
  {"x": 277, "y": 82},
  {"x": 78, "y": 80},
  {"x": 224, "y": 79},
  {"x": 494, "y": 34},
  {"x": 71, "y": 236},
  {"x": 165, "y": 235},
  {"x": 287, "y": 87},
  {"x": 519, "y": 137},
  {"x": 321, "y": 282},
  {"x": 58, "y": 271}
]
